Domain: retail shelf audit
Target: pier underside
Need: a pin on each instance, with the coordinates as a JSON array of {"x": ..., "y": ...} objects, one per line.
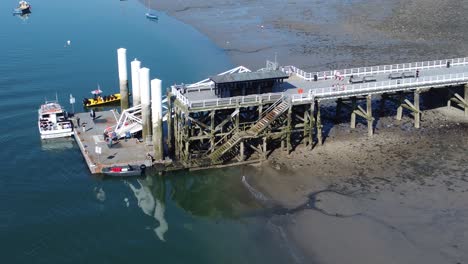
[{"x": 244, "y": 134}]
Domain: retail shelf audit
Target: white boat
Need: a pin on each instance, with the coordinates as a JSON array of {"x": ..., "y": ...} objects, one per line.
[
  {"x": 53, "y": 121},
  {"x": 23, "y": 8}
]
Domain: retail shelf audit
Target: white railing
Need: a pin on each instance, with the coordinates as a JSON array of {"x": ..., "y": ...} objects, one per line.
[
  {"x": 401, "y": 84},
  {"x": 239, "y": 100},
  {"x": 309, "y": 76},
  {"x": 179, "y": 95},
  {"x": 207, "y": 81},
  {"x": 303, "y": 97}
]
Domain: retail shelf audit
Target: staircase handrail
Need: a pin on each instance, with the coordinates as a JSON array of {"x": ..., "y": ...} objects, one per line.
[{"x": 273, "y": 106}]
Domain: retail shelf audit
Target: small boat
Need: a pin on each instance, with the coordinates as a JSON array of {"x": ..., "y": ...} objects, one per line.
[
  {"x": 151, "y": 16},
  {"x": 23, "y": 8},
  {"x": 100, "y": 100},
  {"x": 124, "y": 171},
  {"x": 53, "y": 121}
]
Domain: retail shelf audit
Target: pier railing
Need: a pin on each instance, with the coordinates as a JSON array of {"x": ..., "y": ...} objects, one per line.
[
  {"x": 390, "y": 85},
  {"x": 239, "y": 100},
  {"x": 333, "y": 92},
  {"x": 175, "y": 90},
  {"x": 323, "y": 75}
]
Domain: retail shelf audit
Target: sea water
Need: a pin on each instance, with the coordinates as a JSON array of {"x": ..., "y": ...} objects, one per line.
[{"x": 52, "y": 210}]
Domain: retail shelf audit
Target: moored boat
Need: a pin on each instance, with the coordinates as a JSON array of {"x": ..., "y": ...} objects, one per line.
[
  {"x": 100, "y": 100},
  {"x": 124, "y": 171},
  {"x": 151, "y": 16},
  {"x": 53, "y": 121},
  {"x": 23, "y": 8}
]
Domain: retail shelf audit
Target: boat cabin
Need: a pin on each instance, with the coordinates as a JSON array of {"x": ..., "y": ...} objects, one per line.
[{"x": 245, "y": 83}]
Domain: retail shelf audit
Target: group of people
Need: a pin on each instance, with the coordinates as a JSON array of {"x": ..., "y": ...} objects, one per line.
[
  {"x": 110, "y": 137},
  {"x": 99, "y": 98}
]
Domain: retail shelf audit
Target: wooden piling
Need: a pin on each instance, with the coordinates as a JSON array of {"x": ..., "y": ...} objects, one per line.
[
  {"x": 400, "y": 106},
  {"x": 353, "y": 113},
  {"x": 311, "y": 125},
  {"x": 466, "y": 99},
  {"x": 417, "y": 115},
  {"x": 289, "y": 131},
  {"x": 319, "y": 124},
  {"x": 370, "y": 119}
]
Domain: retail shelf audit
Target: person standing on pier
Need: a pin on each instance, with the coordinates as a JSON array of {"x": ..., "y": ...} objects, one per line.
[
  {"x": 84, "y": 127},
  {"x": 78, "y": 121}
]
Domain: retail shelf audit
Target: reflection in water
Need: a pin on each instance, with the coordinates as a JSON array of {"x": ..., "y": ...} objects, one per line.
[
  {"x": 151, "y": 206},
  {"x": 100, "y": 194},
  {"x": 211, "y": 193},
  {"x": 57, "y": 144},
  {"x": 23, "y": 17}
]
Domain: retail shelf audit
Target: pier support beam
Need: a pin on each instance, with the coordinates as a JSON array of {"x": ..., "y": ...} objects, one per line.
[
  {"x": 212, "y": 130},
  {"x": 364, "y": 113},
  {"x": 242, "y": 151},
  {"x": 413, "y": 107},
  {"x": 135, "y": 66},
  {"x": 264, "y": 150},
  {"x": 466, "y": 99},
  {"x": 370, "y": 119},
  {"x": 145, "y": 103},
  {"x": 383, "y": 99},
  {"x": 339, "y": 105},
  {"x": 417, "y": 113},
  {"x": 123, "y": 79},
  {"x": 156, "y": 112},
  {"x": 400, "y": 100},
  {"x": 460, "y": 101},
  {"x": 311, "y": 125},
  {"x": 319, "y": 124},
  {"x": 289, "y": 131},
  {"x": 353, "y": 114},
  {"x": 170, "y": 126}
]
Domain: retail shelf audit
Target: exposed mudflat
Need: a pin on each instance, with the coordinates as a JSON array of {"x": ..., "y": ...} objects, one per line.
[
  {"x": 400, "y": 197},
  {"x": 320, "y": 35}
]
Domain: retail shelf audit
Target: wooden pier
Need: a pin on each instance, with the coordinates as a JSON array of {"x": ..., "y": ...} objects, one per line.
[
  {"x": 97, "y": 152},
  {"x": 210, "y": 127},
  {"x": 240, "y": 117}
]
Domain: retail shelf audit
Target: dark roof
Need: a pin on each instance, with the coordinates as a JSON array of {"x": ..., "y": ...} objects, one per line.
[{"x": 248, "y": 76}]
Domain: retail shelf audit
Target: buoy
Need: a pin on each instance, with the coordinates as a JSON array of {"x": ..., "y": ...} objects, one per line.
[{"x": 68, "y": 42}]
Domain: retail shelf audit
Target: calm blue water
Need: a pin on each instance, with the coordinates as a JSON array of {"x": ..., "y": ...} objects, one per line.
[{"x": 51, "y": 209}]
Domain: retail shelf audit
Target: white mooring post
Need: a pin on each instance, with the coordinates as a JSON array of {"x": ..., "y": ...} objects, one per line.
[
  {"x": 123, "y": 79},
  {"x": 145, "y": 102},
  {"x": 156, "y": 112},
  {"x": 135, "y": 66}
]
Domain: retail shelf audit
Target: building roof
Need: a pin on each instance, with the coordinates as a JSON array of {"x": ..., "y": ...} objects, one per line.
[{"x": 248, "y": 76}]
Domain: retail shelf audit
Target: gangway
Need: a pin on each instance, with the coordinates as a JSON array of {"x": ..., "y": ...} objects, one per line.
[{"x": 130, "y": 120}]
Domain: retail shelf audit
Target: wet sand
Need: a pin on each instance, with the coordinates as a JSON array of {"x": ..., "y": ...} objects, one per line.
[
  {"x": 400, "y": 197},
  {"x": 321, "y": 35}
]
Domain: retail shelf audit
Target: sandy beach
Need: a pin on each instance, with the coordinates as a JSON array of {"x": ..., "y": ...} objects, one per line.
[{"x": 399, "y": 197}]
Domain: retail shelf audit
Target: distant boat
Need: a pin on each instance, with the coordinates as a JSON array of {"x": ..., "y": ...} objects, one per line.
[
  {"x": 23, "y": 8},
  {"x": 151, "y": 16}
]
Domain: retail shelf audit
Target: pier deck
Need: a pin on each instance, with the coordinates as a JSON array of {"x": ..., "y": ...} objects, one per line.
[
  {"x": 124, "y": 152},
  {"x": 438, "y": 73}
]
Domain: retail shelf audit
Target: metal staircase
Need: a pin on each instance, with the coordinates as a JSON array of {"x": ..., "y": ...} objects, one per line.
[
  {"x": 231, "y": 145},
  {"x": 131, "y": 120}
]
